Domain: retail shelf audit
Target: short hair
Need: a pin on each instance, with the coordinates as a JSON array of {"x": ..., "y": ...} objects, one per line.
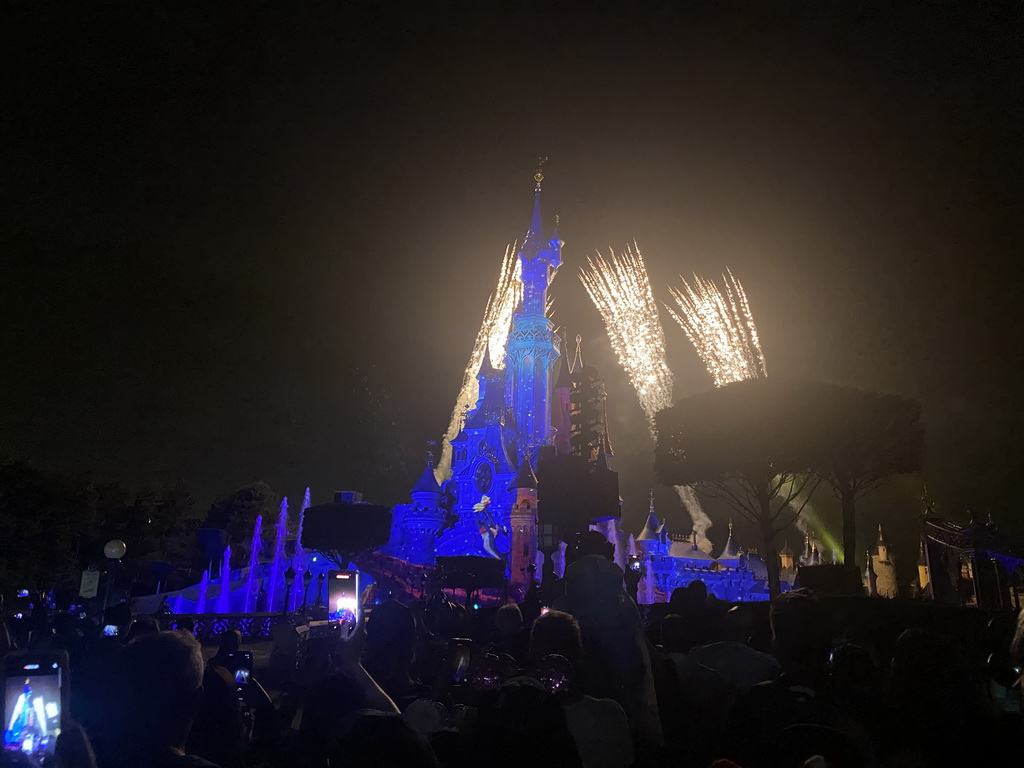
[
  {"x": 556, "y": 632},
  {"x": 164, "y": 675},
  {"x": 509, "y": 618}
]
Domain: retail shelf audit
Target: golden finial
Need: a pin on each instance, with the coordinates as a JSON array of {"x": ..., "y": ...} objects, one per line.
[{"x": 539, "y": 175}]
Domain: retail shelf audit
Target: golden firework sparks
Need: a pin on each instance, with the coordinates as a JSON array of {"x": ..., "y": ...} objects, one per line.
[
  {"x": 493, "y": 335},
  {"x": 621, "y": 290},
  {"x": 721, "y": 328}
]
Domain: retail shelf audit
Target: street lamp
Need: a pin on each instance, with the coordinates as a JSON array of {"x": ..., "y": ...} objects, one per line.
[
  {"x": 306, "y": 578},
  {"x": 289, "y": 579},
  {"x": 113, "y": 550},
  {"x": 548, "y": 542},
  {"x": 319, "y": 602}
]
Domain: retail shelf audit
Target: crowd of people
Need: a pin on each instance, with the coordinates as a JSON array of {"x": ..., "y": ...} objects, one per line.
[{"x": 593, "y": 680}]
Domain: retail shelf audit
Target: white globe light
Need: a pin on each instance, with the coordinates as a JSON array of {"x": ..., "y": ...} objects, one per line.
[{"x": 114, "y": 549}]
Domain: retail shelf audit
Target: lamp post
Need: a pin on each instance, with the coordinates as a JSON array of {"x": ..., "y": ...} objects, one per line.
[
  {"x": 306, "y": 578},
  {"x": 319, "y": 602},
  {"x": 289, "y": 579},
  {"x": 113, "y": 550},
  {"x": 548, "y": 543}
]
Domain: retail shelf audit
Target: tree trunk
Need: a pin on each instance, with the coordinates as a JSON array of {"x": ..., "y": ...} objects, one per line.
[
  {"x": 846, "y": 496},
  {"x": 768, "y": 553}
]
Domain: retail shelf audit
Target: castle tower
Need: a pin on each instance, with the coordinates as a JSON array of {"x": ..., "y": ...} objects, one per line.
[
  {"x": 415, "y": 526},
  {"x": 881, "y": 546},
  {"x": 924, "y": 576},
  {"x": 523, "y": 522},
  {"x": 786, "y": 556},
  {"x": 533, "y": 346},
  {"x": 648, "y": 539},
  {"x": 562, "y": 417},
  {"x": 870, "y": 579}
]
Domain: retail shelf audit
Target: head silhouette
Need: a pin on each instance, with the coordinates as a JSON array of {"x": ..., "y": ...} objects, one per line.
[
  {"x": 163, "y": 678},
  {"x": 800, "y": 630},
  {"x": 556, "y": 633}
]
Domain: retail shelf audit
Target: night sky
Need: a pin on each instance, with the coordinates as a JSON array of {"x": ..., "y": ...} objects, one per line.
[{"x": 253, "y": 241}]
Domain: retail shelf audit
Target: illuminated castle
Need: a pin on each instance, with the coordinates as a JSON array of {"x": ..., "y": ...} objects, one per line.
[
  {"x": 669, "y": 561},
  {"x": 492, "y": 492}
]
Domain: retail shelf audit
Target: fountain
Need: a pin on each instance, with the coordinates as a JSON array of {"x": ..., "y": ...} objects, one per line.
[
  {"x": 254, "y": 560},
  {"x": 224, "y": 598},
  {"x": 300, "y": 555},
  {"x": 203, "y": 585},
  {"x": 277, "y": 565}
]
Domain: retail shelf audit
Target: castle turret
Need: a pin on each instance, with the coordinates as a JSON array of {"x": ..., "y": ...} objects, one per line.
[
  {"x": 881, "y": 547},
  {"x": 786, "y": 558},
  {"x": 924, "y": 576},
  {"x": 415, "y": 526},
  {"x": 562, "y": 416},
  {"x": 870, "y": 579},
  {"x": 648, "y": 539},
  {"x": 523, "y": 522}
]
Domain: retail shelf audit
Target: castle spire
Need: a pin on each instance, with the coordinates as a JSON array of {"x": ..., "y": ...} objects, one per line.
[{"x": 536, "y": 225}]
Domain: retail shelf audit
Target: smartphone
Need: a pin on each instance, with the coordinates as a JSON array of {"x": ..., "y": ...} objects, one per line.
[
  {"x": 111, "y": 630},
  {"x": 544, "y": 610},
  {"x": 343, "y": 596},
  {"x": 22, "y": 593},
  {"x": 634, "y": 563},
  {"x": 460, "y": 649},
  {"x": 35, "y": 697},
  {"x": 239, "y": 660}
]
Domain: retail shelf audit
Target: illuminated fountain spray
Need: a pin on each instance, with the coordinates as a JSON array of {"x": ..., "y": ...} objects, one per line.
[
  {"x": 224, "y": 598},
  {"x": 277, "y": 565},
  {"x": 300, "y": 555},
  {"x": 621, "y": 291},
  {"x": 204, "y": 584},
  {"x": 493, "y": 335},
  {"x": 254, "y": 560}
]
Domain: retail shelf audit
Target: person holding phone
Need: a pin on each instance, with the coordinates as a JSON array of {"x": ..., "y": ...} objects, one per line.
[{"x": 162, "y": 687}]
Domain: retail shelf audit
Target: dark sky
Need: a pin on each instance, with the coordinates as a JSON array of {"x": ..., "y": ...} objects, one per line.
[{"x": 254, "y": 240}]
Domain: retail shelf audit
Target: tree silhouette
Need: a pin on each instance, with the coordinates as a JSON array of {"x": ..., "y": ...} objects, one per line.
[
  {"x": 871, "y": 437},
  {"x": 751, "y": 445}
]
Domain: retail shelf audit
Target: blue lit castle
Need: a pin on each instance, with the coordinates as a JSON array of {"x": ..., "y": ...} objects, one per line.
[
  {"x": 670, "y": 561},
  {"x": 492, "y": 492}
]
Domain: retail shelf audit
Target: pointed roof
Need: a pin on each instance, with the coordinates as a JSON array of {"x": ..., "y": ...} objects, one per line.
[
  {"x": 786, "y": 551},
  {"x": 564, "y": 380},
  {"x": 729, "y": 551},
  {"x": 881, "y": 539},
  {"x": 577, "y": 358},
  {"x": 486, "y": 369},
  {"x": 526, "y": 477},
  {"x": 652, "y": 527},
  {"x": 427, "y": 482}
]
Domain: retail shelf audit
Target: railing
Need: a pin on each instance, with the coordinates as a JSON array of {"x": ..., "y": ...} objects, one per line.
[{"x": 210, "y": 626}]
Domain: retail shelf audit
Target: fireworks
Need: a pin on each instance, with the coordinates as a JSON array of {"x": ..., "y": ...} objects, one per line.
[
  {"x": 621, "y": 290},
  {"x": 493, "y": 335},
  {"x": 721, "y": 328}
]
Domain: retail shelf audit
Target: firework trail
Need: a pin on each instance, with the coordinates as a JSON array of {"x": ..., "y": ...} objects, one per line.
[
  {"x": 721, "y": 328},
  {"x": 493, "y": 335},
  {"x": 621, "y": 291}
]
